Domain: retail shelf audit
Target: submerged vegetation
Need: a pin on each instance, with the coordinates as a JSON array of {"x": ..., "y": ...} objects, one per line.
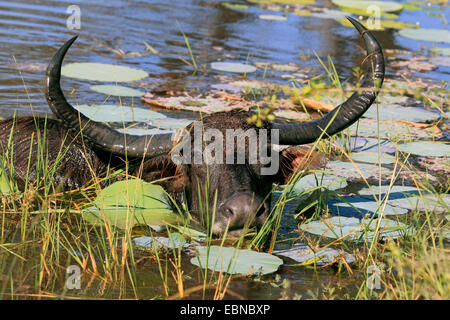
[{"x": 373, "y": 224}]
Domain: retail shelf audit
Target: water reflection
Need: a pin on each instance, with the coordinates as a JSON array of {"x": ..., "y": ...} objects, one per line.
[{"x": 31, "y": 30}]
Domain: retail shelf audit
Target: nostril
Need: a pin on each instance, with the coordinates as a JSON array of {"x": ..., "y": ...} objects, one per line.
[{"x": 228, "y": 211}]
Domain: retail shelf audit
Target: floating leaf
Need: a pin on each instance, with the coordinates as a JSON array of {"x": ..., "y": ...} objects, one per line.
[
  {"x": 395, "y": 112},
  {"x": 360, "y": 144},
  {"x": 441, "y": 61},
  {"x": 208, "y": 104},
  {"x": 111, "y": 113},
  {"x": 6, "y": 185},
  {"x": 385, "y": 6},
  {"x": 292, "y": 2},
  {"x": 125, "y": 204},
  {"x": 432, "y": 35},
  {"x": 134, "y": 192},
  {"x": 292, "y": 115},
  {"x": 319, "y": 179},
  {"x": 354, "y": 228},
  {"x": 372, "y": 157},
  {"x": 352, "y": 171},
  {"x": 102, "y": 72},
  {"x": 272, "y": 17},
  {"x": 256, "y": 84},
  {"x": 114, "y": 90},
  {"x": 234, "y": 6},
  {"x": 328, "y": 14},
  {"x": 441, "y": 51},
  {"x": 379, "y": 24},
  {"x": 426, "y": 148},
  {"x": 233, "y": 67},
  {"x": 390, "y": 130},
  {"x": 366, "y": 13},
  {"x": 174, "y": 241},
  {"x": 123, "y": 218},
  {"x": 236, "y": 261},
  {"x": 303, "y": 254},
  {"x": 388, "y": 99},
  {"x": 361, "y": 207},
  {"x": 276, "y": 66},
  {"x": 408, "y": 198},
  {"x": 408, "y": 6},
  {"x": 191, "y": 233}
]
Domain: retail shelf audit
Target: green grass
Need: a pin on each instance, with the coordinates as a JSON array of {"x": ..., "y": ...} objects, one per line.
[{"x": 42, "y": 233}]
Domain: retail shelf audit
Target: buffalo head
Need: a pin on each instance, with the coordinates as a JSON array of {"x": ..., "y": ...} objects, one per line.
[{"x": 222, "y": 178}]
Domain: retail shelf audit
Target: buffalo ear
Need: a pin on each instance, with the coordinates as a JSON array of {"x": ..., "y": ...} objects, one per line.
[
  {"x": 297, "y": 158},
  {"x": 163, "y": 171}
]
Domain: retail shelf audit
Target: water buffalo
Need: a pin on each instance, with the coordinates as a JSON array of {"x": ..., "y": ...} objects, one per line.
[{"x": 84, "y": 149}]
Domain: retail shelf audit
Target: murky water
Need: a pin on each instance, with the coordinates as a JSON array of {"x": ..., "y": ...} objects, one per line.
[{"x": 30, "y": 32}]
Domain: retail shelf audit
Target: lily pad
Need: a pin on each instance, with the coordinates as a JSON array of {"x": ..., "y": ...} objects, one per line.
[
  {"x": 372, "y": 157},
  {"x": 441, "y": 51},
  {"x": 328, "y": 14},
  {"x": 319, "y": 180},
  {"x": 162, "y": 126},
  {"x": 136, "y": 193},
  {"x": 208, "y": 104},
  {"x": 292, "y": 115},
  {"x": 303, "y": 254},
  {"x": 234, "y": 6},
  {"x": 379, "y": 24},
  {"x": 389, "y": 99},
  {"x": 369, "y": 145},
  {"x": 354, "y": 228},
  {"x": 7, "y": 185},
  {"x": 276, "y": 66},
  {"x": 422, "y": 34},
  {"x": 236, "y": 261},
  {"x": 114, "y": 90},
  {"x": 233, "y": 67},
  {"x": 291, "y": 2},
  {"x": 408, "y": 198},
  {"x": 361, "y": 207},
  {"x": 396, "y": 112},
  {"x": 256, "y": 84},
  {"x": 102, "y": 72},
  {"x": 441, "y": 61},
  {"x": 354, "y": 171},
  {"x": 272, "y": 17},
  {"x": 125, "y": 204},
  {"x": 426, "y": 148},
  {"x": 111, "y": 113},
  {"x": 191, "y": 233},
  {"x": 174, "y": 241},
  {"x": 126, "y": 218},
  {"x": 385, "y": 6},
  {"x": 390, "y": 130},
  {"x": 395, "y": 192},
  {"x": 366, "y": 13}
]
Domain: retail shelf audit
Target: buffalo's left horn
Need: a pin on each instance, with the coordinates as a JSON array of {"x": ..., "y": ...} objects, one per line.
[
  {"x": 349, "y": 111},
  {"x": 97, "y": 133}
]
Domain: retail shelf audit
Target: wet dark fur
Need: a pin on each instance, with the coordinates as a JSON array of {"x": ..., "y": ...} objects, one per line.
[
  {"x": 78, "y": 166},
  {"x": 82, "y": 163}
]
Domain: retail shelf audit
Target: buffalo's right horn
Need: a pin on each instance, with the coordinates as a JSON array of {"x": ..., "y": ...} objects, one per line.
[
  {"x": 97, "y": 133},
  {"x": 349, "y": 111}
]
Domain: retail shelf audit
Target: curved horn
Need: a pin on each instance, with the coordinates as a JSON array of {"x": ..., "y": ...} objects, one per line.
[
  {"x": 97, "y": 133},
  {"x": 349, "y": 111}
]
